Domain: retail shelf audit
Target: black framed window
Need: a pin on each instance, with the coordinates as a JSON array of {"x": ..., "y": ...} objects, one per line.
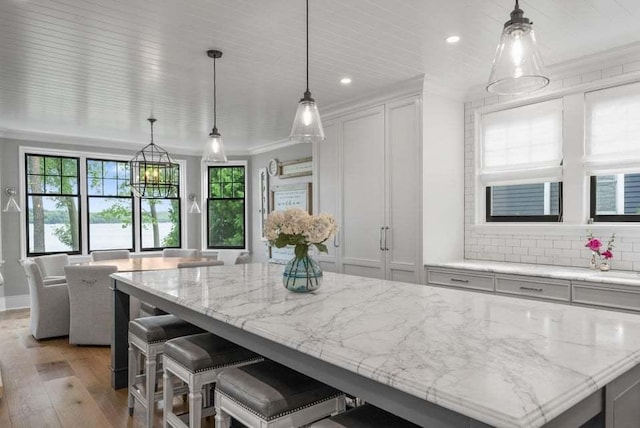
[
  {"x": 109, "y": 205},
  {"x": 160, "y": 220},
  {"x": 161, "y": 224},
  {"x": 615, "y": 198},
  {"x": 53, "y": 205},
  {"x": 226, "y": 222},
  {"x": 537, "y": 202}
]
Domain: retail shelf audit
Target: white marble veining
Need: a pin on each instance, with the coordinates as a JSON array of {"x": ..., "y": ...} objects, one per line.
[
  {"x": 546, "y": 271},
  {"x": 503, "y": 361}
]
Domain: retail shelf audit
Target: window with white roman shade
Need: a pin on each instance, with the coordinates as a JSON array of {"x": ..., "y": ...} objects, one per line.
[
  {"x": 522, "y": 145},
  {"x": 612, "y": 130}
]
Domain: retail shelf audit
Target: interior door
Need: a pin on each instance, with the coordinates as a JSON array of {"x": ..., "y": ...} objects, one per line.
[
  {"x": 326, "y": 174},
  {"x": 363, "y": 193}
]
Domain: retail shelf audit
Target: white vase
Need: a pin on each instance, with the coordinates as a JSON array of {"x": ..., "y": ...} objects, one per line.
[{"x": 604, "y": 266}]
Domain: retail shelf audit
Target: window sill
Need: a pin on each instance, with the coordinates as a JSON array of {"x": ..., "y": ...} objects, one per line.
[{"x": 542, "y": 229}]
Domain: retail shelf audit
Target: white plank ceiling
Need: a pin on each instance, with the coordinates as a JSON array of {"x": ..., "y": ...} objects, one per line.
[{"x": 97, "y": 68}]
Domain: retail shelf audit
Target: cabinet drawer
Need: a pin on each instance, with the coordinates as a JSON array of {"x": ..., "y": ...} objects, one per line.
[
  {"x": 602, "y": 295},
  {"x": 460, "y": 279},
  {"x": 544, "y": 288}
]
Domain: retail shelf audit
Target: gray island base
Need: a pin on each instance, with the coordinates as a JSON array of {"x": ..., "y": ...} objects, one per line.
[{"x": 437, "y": 357}]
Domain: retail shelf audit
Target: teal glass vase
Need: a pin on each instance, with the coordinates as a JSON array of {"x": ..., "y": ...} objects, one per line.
[{"x": 302, "y": 274}]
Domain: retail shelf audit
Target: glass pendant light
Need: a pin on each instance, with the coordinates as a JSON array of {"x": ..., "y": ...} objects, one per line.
[
  {"x": 153, "y": 174},
  {"x": 517, "y": 67},
  {"x": 307, "y": 126},
  {"x": 214, "y": 150}
]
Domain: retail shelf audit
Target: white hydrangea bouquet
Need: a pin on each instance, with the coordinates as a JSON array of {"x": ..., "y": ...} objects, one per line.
[{"x": 297, "y": 227}]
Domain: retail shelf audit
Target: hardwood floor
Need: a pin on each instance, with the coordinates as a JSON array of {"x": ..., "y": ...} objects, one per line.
[{"x": 52, "y": 384}]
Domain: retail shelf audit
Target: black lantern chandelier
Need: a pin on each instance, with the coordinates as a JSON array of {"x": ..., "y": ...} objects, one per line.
[{"x": 154, "y": 174}]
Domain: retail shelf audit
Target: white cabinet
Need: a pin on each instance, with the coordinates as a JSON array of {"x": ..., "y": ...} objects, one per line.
[
  {"x": 363, "y": 193},
  {"x": 368, "y": 175},
  {"x": 326, "y": 196}
]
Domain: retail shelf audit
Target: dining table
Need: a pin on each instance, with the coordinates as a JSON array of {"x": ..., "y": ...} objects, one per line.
[
  {"x": 140, "y": 264},
  {"x": 438, "y": 357}
]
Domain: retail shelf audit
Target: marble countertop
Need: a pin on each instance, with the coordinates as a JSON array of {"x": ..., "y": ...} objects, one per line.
[
  {"x": 503, "y": 361},
  {"x": 546, "y": 271}
]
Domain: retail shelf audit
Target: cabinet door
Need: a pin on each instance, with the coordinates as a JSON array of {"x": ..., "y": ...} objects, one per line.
[
  {"x": 363, "y": 193},
  {"x": 404, "y": 196},
  {"x": 326, "y": 175}
]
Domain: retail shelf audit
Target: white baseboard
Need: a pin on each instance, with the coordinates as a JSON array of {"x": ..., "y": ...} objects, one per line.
[{"x": 8, "y": 303}]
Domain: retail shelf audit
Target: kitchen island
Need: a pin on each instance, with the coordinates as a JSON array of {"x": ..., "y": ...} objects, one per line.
[{"x": 435, "y": 356}]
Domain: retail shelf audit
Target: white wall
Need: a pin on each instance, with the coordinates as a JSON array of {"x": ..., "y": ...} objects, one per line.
[
  {"x": 550, "y": 243},
  {"x": 443, "y": 178}
]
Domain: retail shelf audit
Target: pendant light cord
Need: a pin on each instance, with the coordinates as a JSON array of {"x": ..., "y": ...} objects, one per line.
[
  {"x": 307, "y": 45},
  {"x": 214, "y": 94}
]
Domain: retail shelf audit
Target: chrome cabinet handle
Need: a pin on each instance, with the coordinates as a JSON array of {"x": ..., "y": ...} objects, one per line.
[
  {"x": 459, "y": 280},
  {"x": 386, "y": 244},
  {"x": 381, "y": 232},
  {"x": 336, "y": 243},
  {"x": 531, "y": 289}
]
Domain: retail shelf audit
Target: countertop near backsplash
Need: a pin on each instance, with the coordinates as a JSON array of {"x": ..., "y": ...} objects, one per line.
[{"x": 545, "y": 271}]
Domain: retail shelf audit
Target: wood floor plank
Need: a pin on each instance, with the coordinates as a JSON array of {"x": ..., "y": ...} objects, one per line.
[
  {"x": 54, "y": 370},
  {"x": 27, "y": 400},
  {"x": 5, "y": 419},
  {"x": 45, "y": 418},
  {"x": 1, "y": 384},
  {"x": 73, "y": 404},
  {"x": 96, "y": 379}
]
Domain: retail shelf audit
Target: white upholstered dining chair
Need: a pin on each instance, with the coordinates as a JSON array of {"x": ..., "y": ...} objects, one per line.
[
  {"x": 90, "y": 304},
  {"x": 49, "y": 304},
  {"x": 52, "y": 268},
  {"x": 109, "y": 255},
  {"x": 229, "y": 257},
  {"x": 179, "y": 252}
]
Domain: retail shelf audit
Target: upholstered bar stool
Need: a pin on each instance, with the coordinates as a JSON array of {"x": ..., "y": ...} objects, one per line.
[
  {"x": 147, "y": 337},
  {"x": 366, "y": 416},
  {"x": 268, "y": 394},
  {"x": 197, "y": 360}
]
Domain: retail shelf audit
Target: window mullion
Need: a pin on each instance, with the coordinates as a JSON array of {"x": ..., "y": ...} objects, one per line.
[
  {"x": 137, "y": 224},
  {"x": 84, "y": 206}
]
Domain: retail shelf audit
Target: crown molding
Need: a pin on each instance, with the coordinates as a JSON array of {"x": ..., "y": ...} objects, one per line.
[
  {"x": 401, "y": 89},
  {"x": 76, "y": 140},
  {"x": 280, "y": 144}
]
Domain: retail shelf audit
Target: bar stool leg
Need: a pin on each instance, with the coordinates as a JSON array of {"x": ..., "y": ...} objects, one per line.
[
  {"x": 133, "y": 371},
  {"x": 195, "y": 404},
  {"x": 167, "y": 397},
  {"x": 150, "y": 367},
  {"x": 222, "y": 420}
]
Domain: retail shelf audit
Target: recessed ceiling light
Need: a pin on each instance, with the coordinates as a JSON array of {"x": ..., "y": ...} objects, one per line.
[
  {"x": 345, "y": 80},
  {"x": 453, "y": 39}
]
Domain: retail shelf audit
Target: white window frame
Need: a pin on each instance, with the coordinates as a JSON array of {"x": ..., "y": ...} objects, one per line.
[
  {"x": 481, "y": 185},
  {"x": 204, "y": 189},
  {"x": 84, "y": 226}
]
